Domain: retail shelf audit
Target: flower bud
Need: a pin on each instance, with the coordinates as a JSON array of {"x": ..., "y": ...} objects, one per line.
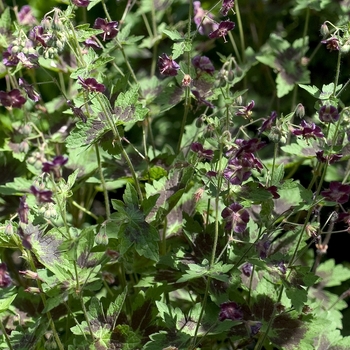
[
  {"x": 324, "y": 30},
  {"x": 300, "y": 111}
]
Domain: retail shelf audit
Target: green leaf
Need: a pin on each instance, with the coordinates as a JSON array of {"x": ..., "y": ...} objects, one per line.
[
  {"x": 130, "y": 196},
  {"x": 6, "y": 301},
  {"x": 298, "y": 296},
  {"x": 180, "y": 48},
  {"x": 5, "y": 20},
  {"x": 283, "y": 87},
  {"x": 331, "y": 274},
  {"x": 312, "y": 90},
  {"x": 173, "y": 34}
]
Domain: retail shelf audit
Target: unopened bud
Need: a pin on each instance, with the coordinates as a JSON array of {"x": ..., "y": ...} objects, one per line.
[
  {"x": 102, "y": 238},
  {"x": 300, "y": 111},
  {"x": 324, "y": 30},
  {"x": 29, "y": 274},
  {"x": 33, "y": 290}
]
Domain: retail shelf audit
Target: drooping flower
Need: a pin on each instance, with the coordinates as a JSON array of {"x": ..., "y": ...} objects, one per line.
[
  {"x": 227, "y": 5},
  {"x": 31, "y": 93},
  {"x": 223, "y": 29},
  {"x": 337, "y": 192},
  {"x": 29, "y": 60},
  {"x": 203, "y": 19},
  {"x": 268, "y": 122},
  {"x": 262, "y": 247},
  {"x": 110, "y": 28},
  {"x": 5, "y": 279},
  {"x": 12, "y": 99},
  {"x": 55, "y": 165},
  {"x": 42, "y": 196},
  {"x": 332, "y": 43},
  {"x": 230, "y": 311},
  {"x": 308, "y": 130},
  {"x": 198, "y": 148},
  {"x": 247, "y": 269},
  {"x": 81, "y": 3},
  {"x": 78, "y": 112},
  {"x": 23, "y": 210},
  {"x": 328, "y": 114},
  {"x": 203, "y": 63},
  {"x": 25, "y": 15},
  {"x": 91, "y": 85},
  {"x": 236, "y": 218},
  {"x": 201, "y": 100},
  {"x": 38, "y": 35},
  {"x": 246, "y": 111},
  {"x": 92, "y": 42},
  {"x": 167, "y": 66},
  {"x": 330, "y": 158}
]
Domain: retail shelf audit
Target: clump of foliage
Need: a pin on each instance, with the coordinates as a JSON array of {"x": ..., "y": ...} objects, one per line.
[{"x": 173, "y": 174}]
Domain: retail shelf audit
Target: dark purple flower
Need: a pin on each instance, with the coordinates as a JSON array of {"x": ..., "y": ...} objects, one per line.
[
  {"x": 236, "y": 218},
  {"x": 55, "y": 165},
  {"x": 267, "y": 124},
  {"x": 29, "y": 61},
  {"x": 31, "y": 93},
  {"x": 77, "y": 111},
  {"x": 330, "y": 158},
  {"x": 203, "y": 19},
  {"x": 203, "y": 63},
  {"x": 81, "y": 3},
  {"x": 12, "y": 99},
  {"x": 250, "y": 146},
  {"x": 238, "y": 170},
  {"x": 227, "y": 5},
  {"x": 23, "y": 210},
  {"x": 263, "y": 246},
  {"x": 25, "y": 15},
  {"x": 5, "y": 279},
  {"x": 308, "y": 130},
  {"x": 203, "y": 153},
  {"x": 328, "y": 114},
  {"x": 247, "y": 269},
  {"x": 38, "y": 35},
  {"x": 42, "y": 196},
  {"x": 167, "y": 66},
  {"x": 91, "y": 85},
  {"x": 201, "y": 100},
  {"x": 110, "y": 28},
  {"x": 92, "y": 42},
  {"x": 332, "y": 43},
  {"x": 246, "y": 111},
  {"x": 282, "y": 267},
  {"x": 337, "y": 192},
  {"x": 221, "y": 32},
  {"x": 345, "y": 217},
  {"x": 230, "y": 311},
  {"x": 9, "y": 59},
  {"x": 255, "y": 328}
]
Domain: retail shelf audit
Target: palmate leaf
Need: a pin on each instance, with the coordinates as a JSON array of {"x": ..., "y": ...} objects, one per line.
[{"x": 133, "y": 230}]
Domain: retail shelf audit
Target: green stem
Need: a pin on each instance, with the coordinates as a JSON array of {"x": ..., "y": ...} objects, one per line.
[
  {"x": 43, "y": 298},
  {"x": 103, "y": 183},
  {"x": 7, "y": 339},
  {"x": 240, "y": 28},
  {"x": 337, "y": 74}
]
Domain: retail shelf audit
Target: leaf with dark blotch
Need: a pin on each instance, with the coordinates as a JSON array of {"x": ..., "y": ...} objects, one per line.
[
  {"x": 46, "y": 246},
  {"x": 288, "y": 332}
]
